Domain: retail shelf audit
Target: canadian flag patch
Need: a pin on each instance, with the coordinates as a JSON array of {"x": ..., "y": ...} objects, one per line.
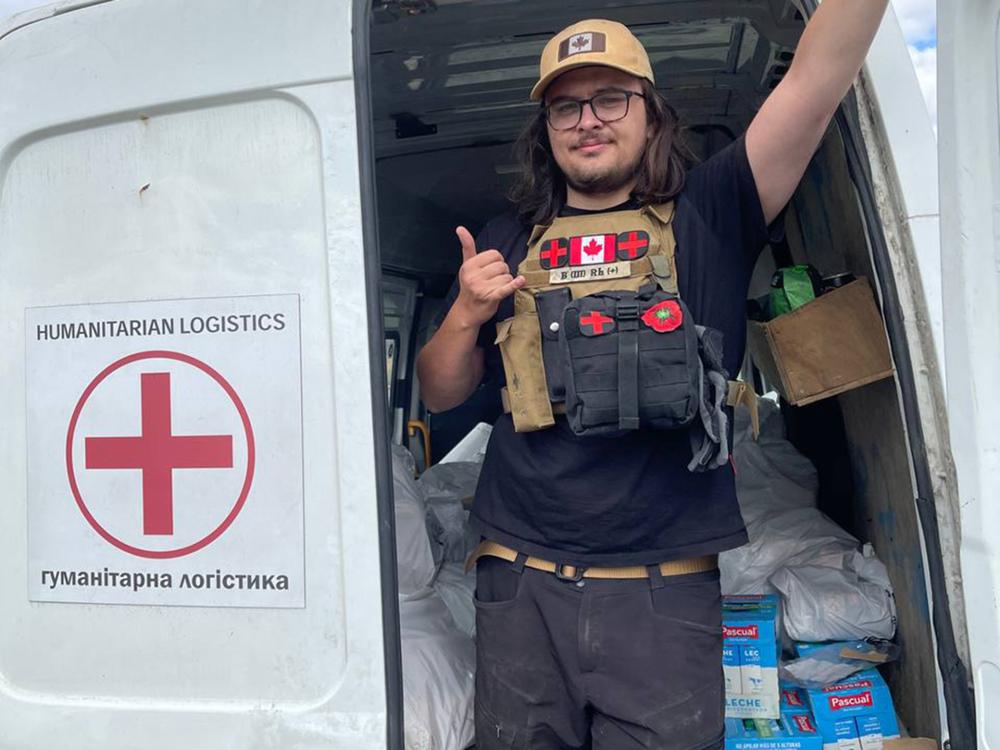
[
  {"x": 591, "y": 249},
  {"x": 585, "y": 41}
]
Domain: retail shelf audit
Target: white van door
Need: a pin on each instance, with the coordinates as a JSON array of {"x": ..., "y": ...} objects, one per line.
[
  {"x": 969, "y": 148},
  {"x": 189, "y": 532}
]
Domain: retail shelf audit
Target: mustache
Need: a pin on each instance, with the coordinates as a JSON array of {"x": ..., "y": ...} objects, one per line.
[{"x": 591, "y": 141}]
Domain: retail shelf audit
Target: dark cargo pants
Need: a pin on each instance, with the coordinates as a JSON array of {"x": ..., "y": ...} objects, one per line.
[{"x": 597, "y": 664}]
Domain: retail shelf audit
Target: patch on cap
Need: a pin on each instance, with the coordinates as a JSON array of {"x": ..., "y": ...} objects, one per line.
[{"x": 586, "y": 41}]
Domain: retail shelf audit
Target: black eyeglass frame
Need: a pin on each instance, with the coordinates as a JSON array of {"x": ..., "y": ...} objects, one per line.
[{"x": 581, "y": 102}]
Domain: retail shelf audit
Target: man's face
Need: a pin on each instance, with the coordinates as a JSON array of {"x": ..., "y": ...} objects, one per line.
[{"x": 598, "y": 157}]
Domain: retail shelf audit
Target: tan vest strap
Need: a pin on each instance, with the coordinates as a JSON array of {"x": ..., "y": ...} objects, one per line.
[
  {"x": 557, "y": 408},
  {"x": 672, "y": 568},
  {"x": 741, "y": 394},
  {"x": 662, "y": 211},
  {"x": 536, "y": 233}
]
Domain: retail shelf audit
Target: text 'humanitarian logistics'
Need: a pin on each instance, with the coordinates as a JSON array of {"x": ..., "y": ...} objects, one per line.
[{"x": 165, "y": 451}]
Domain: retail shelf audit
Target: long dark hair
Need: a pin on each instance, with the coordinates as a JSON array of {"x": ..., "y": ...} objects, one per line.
[{"x": 540, "y": 189}]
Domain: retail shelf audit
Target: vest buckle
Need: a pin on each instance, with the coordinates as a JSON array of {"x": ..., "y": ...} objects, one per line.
[{"x": 627, "y": 310}]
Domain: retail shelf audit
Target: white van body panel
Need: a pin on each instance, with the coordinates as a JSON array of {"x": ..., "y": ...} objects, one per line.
[
  {"x": 168, "y": 150},
  {"x": 901, "y": 149},
  {"x": 911, "y": 146},
  {"x": 969, "y": 138}
]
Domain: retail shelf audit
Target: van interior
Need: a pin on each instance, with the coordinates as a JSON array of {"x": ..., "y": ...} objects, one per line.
[{"x": 449, "y": 82}]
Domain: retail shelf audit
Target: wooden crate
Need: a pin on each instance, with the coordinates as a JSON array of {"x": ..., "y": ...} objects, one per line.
[{"x": 830, "y": 345}]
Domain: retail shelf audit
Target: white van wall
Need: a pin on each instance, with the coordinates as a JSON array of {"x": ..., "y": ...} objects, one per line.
[
  {"x": 970, "y": 197},
  {"x": 172, "y": 150}
]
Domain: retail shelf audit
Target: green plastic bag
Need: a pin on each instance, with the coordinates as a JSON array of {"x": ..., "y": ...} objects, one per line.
[{"x": 796, "y": 289}]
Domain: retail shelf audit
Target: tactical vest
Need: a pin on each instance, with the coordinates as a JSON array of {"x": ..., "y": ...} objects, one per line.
[{"x": 600, "y": 333}]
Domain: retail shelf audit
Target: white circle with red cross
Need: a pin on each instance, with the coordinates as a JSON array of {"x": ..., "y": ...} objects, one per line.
[{"x": 160, "y": 454}]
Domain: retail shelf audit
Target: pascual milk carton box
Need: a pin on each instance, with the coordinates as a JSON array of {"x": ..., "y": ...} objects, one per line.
[
  {"x": 795, "y": 730},
  {"x": 790, "y": 732},
  {"x": 855, "y": 714},
  {"x": 750, "y": 656}
]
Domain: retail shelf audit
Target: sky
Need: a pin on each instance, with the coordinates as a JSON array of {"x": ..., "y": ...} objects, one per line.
[
  {"x": 919, "y": 21},
  {"x": 917, "y": 17}
]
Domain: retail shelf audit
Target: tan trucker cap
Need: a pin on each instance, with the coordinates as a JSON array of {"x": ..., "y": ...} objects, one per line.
[{"x": 592, "y": 42}]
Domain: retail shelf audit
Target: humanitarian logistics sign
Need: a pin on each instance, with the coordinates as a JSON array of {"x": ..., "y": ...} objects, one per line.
[{"x": 164, "y": 458}]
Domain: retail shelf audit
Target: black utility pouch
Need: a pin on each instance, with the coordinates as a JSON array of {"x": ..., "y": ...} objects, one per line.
[
  {"x": 631, "y": 361},
  {"x": 550, "y": 305}
]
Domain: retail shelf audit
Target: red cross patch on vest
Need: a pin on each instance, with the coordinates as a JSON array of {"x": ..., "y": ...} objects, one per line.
[
  {"x": 596, "y": 324},
  {"x": 632, "y": 245},
  {"x": 554, "y": 254}
]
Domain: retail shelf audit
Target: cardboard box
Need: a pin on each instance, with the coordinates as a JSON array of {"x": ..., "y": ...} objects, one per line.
[
  {"x": 833, "y": 344},
  {"x": 750, "y": 656},
  {"x": 856, "y": 714}
]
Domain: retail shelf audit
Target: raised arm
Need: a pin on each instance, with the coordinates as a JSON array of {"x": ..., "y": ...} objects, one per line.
[
  {"x": 450, "y": 365},
  {"x": 786, "y": 132}
]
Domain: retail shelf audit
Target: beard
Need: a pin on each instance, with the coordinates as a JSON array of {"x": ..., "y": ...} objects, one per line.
[{"x": 597, "y": 181}]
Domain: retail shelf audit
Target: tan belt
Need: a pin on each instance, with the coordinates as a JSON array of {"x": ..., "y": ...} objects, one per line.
[{"x": 574, "y": 573}]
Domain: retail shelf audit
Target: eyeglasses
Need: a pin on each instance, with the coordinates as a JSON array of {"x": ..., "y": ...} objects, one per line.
[{"x": 608, "y": 106}]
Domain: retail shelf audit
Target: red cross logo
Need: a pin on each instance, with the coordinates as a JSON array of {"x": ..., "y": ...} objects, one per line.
[
  {"x": 555, "y": 254},
  {"x": 632, "y": 245},
  {"x": 157, "y": 453},
  {"x": 593, "y": 323}
]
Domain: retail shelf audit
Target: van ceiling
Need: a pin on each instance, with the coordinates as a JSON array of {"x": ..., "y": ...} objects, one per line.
[{"x": 450, "y": 82}]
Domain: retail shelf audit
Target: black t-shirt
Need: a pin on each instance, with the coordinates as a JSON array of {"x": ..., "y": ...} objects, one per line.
[{"x": 629, "y": 500}]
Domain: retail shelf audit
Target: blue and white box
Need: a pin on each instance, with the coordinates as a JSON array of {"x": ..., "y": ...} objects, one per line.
[
  {"x": 856, "y": 714},
  {"x": 793, "y": 700},
  {"x": 790, "y": 732},
  {"x": 731, "y": 668},
  {"x": 750, "y": 656}
]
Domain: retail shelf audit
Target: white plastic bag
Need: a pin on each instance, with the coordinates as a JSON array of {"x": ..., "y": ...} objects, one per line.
[
  {"x": 852, "y": 599},
  {"x": 776, "y": 486},
  {"x": 414, "y": 560},
  {"x": 471, "y": 448},
  {"x": 830, "y": 591},
  {"x": 445, "y": 487},
  {"x": 439, "y": 658},
  {"x": 439, "y": 666},
  {"x": 457, "y": 588},
  {"x": 835, "y": 662},
  {"x": 786, "y": 539},
  {"x": 771, "y": 475}
]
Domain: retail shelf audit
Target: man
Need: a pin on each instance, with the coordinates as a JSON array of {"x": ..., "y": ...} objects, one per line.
[{"x": 598, "y": 603}]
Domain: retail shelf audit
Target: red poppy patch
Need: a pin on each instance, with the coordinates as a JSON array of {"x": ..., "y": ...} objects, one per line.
[
  {"x": 596, "y": 324},
  {"x": 664, "y": 316}
]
